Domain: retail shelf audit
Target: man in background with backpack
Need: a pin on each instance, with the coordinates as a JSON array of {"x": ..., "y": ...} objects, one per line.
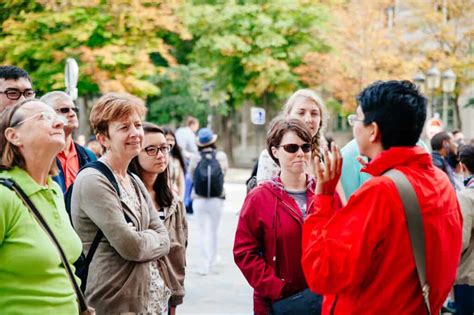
[{"x": 207, "y": 169}]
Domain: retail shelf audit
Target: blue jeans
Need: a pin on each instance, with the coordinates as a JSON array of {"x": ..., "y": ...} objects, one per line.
[{"x": 464, "y": 299}]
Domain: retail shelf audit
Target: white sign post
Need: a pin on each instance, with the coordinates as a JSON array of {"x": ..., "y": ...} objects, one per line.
[
  {"x": 257, "y": 115},
  {"x": 71, "y": 74}
]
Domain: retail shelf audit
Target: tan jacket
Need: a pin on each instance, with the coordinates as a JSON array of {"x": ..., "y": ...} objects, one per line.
[
  {"x": 172, "y": 266},
  {"x": 466, "y": 266},
  {"x": 119, "y": 274}
]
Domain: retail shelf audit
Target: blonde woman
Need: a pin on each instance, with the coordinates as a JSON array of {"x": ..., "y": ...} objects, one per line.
[{"x": 308, "y": 107}]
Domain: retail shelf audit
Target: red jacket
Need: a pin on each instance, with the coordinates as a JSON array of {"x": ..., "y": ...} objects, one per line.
[
  {"x": 267, "y": 246},
  {"x": 362, "y": 253}
]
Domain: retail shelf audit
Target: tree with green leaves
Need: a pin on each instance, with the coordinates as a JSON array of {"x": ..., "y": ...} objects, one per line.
[
  {"x": 252, "y": 48},
  {"x": 112, "y": 41}
]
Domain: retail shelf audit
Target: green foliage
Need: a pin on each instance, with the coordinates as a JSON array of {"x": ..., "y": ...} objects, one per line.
[
  {"x": 253, "y": 47},
  {"x": 111, "y": 40},
  {"x": 182, "y": 94}
]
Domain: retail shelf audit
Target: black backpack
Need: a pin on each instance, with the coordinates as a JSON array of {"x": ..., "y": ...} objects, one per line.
[
  {"x": 83, "y": 262},
  {"x": 208, "y": 177}
]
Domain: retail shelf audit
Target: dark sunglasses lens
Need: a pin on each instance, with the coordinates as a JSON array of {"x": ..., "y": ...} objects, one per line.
[
  {"x": 306, "y": 147},
  {"x": 291, "y": 148},
  {"x": 66, "y": 110}
]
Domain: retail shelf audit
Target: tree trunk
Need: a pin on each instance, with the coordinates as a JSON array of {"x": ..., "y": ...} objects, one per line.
[
  {"x": 226, "y": 137},
  {"x": 457, "y": 112}
]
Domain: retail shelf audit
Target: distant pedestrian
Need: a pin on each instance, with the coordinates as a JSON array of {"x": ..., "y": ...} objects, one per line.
[
  {"x": 444, "y": 149},
  {"x": 123, "y": 274},
  {"x": 33, "y": 279},
  {"x": 186, "y": 139},
  {"x": 464, "y": 285},
  {"x": 267, "y": 246},
  {"x": 361, "y": 257},
  {"x": 152, "y": 165},
  {"x": 308, "y": 107},
  {"x": 208, "y": 169},
  {"x": 177, "y": 165}
]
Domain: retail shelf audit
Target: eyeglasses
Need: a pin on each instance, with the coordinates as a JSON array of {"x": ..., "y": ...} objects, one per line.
[
  {"x": 153, "y": 150},
  {"x": 14, "y": 94},
  {"x": 67, "y": 110},
  {"x": 351, "y": 119},
  {"x": 293, "y": 148},
  {"x": 46, "y": 116}
]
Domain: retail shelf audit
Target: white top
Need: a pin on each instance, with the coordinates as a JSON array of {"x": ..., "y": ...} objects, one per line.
[
  {"x": 186, "y": 140},
  {"x": 267, "y": 168}
]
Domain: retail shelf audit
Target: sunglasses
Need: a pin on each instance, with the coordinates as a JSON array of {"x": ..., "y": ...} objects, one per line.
[
  {"x": 293, "y": 147},
  {"x": 153, "y": 151},
  {"x": 14, "y": 94},
  {"x": 66, "y": 110}
]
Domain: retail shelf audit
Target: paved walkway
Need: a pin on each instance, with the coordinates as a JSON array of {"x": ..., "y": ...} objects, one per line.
[{"x": 224, "y": 290}]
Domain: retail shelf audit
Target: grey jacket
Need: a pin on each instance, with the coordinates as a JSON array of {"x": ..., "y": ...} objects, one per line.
[
  {"x": 172, "y": 266},
  {"x": 119, "y": 274},
  {"x": 466, "y": 266}
]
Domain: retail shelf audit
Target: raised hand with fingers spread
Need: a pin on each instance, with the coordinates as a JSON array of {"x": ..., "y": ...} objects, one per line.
[{"x": 328, "y": 173}]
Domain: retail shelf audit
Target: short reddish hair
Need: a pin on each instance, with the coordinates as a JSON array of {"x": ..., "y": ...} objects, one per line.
[{"x": 114, "y": 107}]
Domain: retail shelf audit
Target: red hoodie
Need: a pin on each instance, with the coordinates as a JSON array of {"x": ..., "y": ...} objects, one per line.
[
  {"x": 362, "y": 253},
  {"x": 267, "y": 246}
]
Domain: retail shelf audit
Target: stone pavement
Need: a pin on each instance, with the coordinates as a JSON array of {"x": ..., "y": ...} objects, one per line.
[{"x": 224, "y": 290}]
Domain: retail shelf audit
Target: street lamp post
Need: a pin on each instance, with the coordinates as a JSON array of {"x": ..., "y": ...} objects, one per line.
[
  {"x": 433, "y": 80},
  {"x": 449, "y": 83},
  {"x": 207, "y": 91}
]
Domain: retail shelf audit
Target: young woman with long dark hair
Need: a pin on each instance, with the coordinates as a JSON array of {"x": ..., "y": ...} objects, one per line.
[{"x": 152, "y": 166}]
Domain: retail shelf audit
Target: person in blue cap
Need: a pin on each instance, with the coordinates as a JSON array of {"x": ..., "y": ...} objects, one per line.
[{"x": 207, "y": 169}]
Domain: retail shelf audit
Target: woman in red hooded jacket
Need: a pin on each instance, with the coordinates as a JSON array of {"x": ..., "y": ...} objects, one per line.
[{"x": 267, "y": 245}]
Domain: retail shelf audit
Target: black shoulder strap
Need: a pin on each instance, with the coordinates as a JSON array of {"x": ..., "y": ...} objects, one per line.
[
  {"x": 101, "y": 167},
  {"x": 10, "y": 184},
  {"x": 415, "y": 228}
]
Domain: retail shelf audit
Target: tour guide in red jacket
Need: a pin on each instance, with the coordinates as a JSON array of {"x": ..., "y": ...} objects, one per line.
[{"x": 360, "y": 257}]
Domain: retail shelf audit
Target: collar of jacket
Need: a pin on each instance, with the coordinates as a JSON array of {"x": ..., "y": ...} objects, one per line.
[
  {"x": 278, "y": 188},
  {"x": 169, "y": 211},
  {"x": 469, "y": 182},
  {"x": 398, "y": 156},
  {"x": 275, "y": 186}
]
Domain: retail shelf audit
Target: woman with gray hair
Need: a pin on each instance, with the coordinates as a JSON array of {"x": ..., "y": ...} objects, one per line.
[
  {"x": 33, "y": 277},
  {"x": 307, "y": 106}
]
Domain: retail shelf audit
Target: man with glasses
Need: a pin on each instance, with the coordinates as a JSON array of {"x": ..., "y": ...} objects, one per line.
[
  {"x": 15, "y": 86},
  {"x": 74, "y": 156},
  {"x": 361, "y": 256}
]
